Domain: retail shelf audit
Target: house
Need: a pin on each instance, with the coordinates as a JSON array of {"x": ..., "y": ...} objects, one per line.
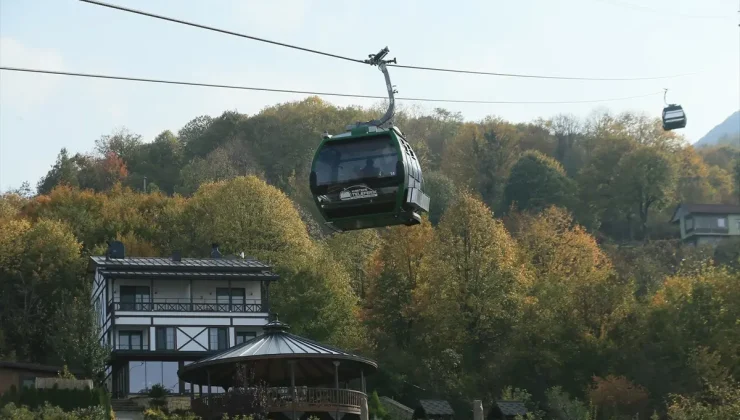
[
  {"x": 507, "y": 410},
  {"x": 707, "y": 223},
  {"x": 434, "y": 409},
  {"x": 396, "y": 410},
  {"x": 160, "y": 314},
  {"x": 25, "y": 374}
]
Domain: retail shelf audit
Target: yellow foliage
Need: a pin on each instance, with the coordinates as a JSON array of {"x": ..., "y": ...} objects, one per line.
[{"x": 244, "y": 214}]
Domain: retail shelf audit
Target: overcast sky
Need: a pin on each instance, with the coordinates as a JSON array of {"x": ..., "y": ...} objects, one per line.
[{"x": 40, "y": 114}]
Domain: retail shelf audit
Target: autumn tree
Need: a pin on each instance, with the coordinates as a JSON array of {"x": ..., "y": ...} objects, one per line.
[
  {"x": 468, "y": 301},
  {"x": 247, "y": 215}
]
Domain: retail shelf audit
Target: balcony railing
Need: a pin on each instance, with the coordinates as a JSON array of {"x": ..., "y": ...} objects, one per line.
[
  {"x": 279, "y": 400},
  {"x": 130, "y": 347},
  {"x": 186, "y": 305}
]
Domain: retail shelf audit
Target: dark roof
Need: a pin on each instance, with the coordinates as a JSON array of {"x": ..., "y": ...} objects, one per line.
[
  {"x": 182, "y": 274},
  {"x": 270, "y": 353},
  {"x": 395, "y": 405},
  {"x": 689, "y": 208},
  {"x": 512, "y": 408},
  {"x": 35, "y": 367},
  {"x": 436, "y": 407},
  {"x": 148, "y": 267}
]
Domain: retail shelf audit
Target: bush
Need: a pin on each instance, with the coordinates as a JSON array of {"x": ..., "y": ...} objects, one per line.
[
  {"x": 65, "y": 399},
  {"x": 157, "y": 414},
  {"x": 49, "y": 412},
  {"x": 158, "y": 396}
]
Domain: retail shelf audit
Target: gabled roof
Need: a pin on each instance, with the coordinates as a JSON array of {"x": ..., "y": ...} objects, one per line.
[
  {"x": 511, "y": 408},
  {"x": 148, "y": 267},
  {"x": 688, "y": 208},
  {"x": 436, "y": 407}
]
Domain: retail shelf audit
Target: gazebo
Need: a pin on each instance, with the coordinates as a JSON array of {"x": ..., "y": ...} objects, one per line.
[{"x": 291, "y": 377}]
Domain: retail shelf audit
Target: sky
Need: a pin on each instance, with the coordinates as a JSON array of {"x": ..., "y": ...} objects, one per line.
[{"x": 41, "y": 114}]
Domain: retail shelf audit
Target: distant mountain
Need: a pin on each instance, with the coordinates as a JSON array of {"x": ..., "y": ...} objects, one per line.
[{"x": 724, "y": 133}]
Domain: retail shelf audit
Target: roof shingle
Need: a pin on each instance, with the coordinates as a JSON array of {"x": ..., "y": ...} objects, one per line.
[{"x": 436, "y": 407}]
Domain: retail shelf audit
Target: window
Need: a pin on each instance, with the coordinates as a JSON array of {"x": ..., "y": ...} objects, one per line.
[
  {"x": 165, "y": 338},
  {"x": 237, "y": 296},
  {"x": 340, "y": 162},
  {"x": 143, "y": 375},
  {"x": 133, "y": 297},
  {"x": 243, "y": 336},
  {"x": 130, "y": 340},
  {"x": 28, "y": 382},
  {"x": 721, "y": 222},
  {"x": 218, "y": 339}
]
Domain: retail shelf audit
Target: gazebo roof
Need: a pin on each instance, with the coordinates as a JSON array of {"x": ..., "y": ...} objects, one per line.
[{"x": 269, "y": 354}]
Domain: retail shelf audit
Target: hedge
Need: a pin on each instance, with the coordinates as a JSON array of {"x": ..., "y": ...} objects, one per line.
[{"x": 66, "y": 399}]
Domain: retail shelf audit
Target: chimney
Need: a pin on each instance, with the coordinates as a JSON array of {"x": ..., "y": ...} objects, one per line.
[
  {"x": 176, "y": 256},
  {"x": 215, "y": 253},
  {"x": 116, "y": 250},
  {"x": 477, "y": 410}
]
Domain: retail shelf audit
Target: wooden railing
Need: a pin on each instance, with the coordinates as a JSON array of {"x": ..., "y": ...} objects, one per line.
[{"x": 280, "y": 400}]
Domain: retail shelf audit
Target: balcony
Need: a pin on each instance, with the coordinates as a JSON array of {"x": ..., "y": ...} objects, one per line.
[
  {"x": 278, "y": 400},
  {"x": 186, "y": 305}
]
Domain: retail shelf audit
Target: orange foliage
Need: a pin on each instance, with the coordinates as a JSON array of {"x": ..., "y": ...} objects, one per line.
[{"x": 618, "y": 395}]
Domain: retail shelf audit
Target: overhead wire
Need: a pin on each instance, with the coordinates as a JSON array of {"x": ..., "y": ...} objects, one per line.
[
  {"x": 345, "y": 58},
  {"x": 303, "y": 92},
  {"x": 666, "y": 13}
]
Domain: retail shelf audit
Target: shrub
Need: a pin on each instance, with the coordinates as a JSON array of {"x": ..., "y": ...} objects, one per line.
[{"x": 65, "y": 399}]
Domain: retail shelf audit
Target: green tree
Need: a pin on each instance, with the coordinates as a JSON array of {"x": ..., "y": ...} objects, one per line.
[
  {"x": 441, "y": 191},
  {"x": 42, "y": 272},
  {"x": 64, "y": 172},
  {"x": 537, "y": 181},
  {"x": 646, "y": 180}
]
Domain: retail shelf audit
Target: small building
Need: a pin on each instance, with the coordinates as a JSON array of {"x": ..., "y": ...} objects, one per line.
[
  {"x": 160, "y": 314},
  {"x": 507, "y": 410},
  {"x": 702, "y": 224},
  {"x": 25, "y": 374},
  {"x": 396, "y": 410},
  {"x": 434, "y": 409}
]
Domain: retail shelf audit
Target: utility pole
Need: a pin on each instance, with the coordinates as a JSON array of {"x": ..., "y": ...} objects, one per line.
[{"x": 144, "y": 185}]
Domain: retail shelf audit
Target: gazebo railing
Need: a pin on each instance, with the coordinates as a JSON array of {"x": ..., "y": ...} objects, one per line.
[{"x": 279, "y": 400}]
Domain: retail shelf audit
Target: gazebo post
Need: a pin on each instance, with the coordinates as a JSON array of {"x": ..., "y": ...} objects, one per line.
[
  {"x": 210, "y": 401},
  {"x": 292, "y": 386},
  {"x": 362, "y": 381},
  {"x": 336, "y": 385}
]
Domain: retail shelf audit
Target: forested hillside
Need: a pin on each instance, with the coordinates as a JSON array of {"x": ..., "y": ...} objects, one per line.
[{"x": 546, "y": 264}]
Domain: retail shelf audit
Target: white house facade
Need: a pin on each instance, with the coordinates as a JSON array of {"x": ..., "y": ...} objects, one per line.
[{"x": 159, "y": 314}]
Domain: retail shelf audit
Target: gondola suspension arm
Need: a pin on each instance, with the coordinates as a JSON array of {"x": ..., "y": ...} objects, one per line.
[{"x": 387, "y": 118}]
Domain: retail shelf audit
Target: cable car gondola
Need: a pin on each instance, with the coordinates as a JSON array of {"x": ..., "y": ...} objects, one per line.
[
  {"x": 674, "y": 116},
  {"x": 369, "y": 176}
]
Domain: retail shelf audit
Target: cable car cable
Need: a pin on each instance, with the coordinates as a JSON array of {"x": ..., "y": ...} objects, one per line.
[
  {"x": 662, "y": 12},
  {"x": 341, "y": 57},
  {"x": 223, "y": 31},
  {"x": 346, "y": 95}
]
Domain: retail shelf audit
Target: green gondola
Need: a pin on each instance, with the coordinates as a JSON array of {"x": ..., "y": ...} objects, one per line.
[{"x": 368, "y": 176}]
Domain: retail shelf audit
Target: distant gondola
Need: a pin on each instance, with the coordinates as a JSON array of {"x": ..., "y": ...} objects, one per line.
[
  {"x": 674, "y": 116},
  {"x": 369, "y": 176}
]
